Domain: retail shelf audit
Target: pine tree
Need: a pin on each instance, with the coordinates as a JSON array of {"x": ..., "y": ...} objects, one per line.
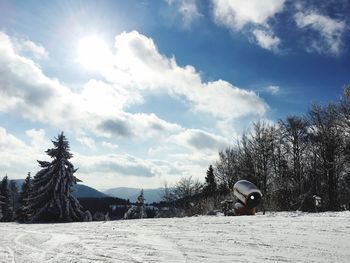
[
  {"x": 210, "y": 187},
  {"x": 1, "y": 203},
  {"x": 140, "y": 199},
  {"x": 52, "y": 198},
  {"x": 13, "y": 197},
  {"x": 23, "y": 211},
  {"x": 7, "y": 214},
  {"x": 138, "y": 211}
]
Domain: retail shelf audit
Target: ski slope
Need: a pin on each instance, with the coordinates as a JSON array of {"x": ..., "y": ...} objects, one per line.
[{"x": 274, "y": 237}]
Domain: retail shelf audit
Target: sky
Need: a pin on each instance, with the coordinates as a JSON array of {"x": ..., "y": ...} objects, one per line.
[{"x": 148, "y": 92}]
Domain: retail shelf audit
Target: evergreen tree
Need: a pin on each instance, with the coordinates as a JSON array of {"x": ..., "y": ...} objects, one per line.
[
  {"x": 210, "y": 187},
  {"x": 138, "y": 211},
  {"x": 52, "y": 198},
  {"x": 140, "y": 203},
  {"x": 23, "y": 212},
  {"x": 140, "y": 199},
  {"x": 13, "y": 197},
  {"x": 1, "y": 203},
  {"x": 5, "y": 207}
]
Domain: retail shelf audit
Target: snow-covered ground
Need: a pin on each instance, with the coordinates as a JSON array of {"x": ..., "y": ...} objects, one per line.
[{"x": 276, "y": 237}]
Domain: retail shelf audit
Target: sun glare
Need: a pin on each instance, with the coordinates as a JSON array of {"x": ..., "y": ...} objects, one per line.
[{"x": 93, "y": 53}]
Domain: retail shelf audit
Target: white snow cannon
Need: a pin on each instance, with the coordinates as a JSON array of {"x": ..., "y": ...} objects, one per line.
[{"x": 248, "y": 197}]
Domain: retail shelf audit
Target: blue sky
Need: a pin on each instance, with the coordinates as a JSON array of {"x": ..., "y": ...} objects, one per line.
[{"x": 150, "y": 91}]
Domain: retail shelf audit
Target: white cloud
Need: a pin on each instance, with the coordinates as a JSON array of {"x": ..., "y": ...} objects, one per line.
[
  {"x": 34, "y": 49},
  {"x": 273, "y": 90},
  {"x": 9, "y": 142},
  {"x": 108, "y": 145},
  {"x": 38, "y": 138},
  {"x": 139, "y": 62},
  {"x": 191, "y": 151},
  {"x": 200, "y": 140},
  {"x": 266, "y": 39},
  {"x": 139, "y": 68},
  {"x": 124, "y": 170},
  {"x": 87, "y": 141},
  {"x": 187, "y": 9},
  {"x": 17, "y": 157},
  {"x": 235, "y": 14},
  {"x": 26, "y": 91},
  {"x": 330, "y": 31},
  {"x": 137, "y": 125},
  {"x": 118, "y": 164}
]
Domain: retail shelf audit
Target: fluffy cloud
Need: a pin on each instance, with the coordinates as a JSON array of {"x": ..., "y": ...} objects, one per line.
[
  {"x": 330, "y": 31},
  {"x": 137, "y": 125},
  {"x": 26, "y": 91},
  {"x": 139, "y": 61},
  {"x": 118, "y": 164},
  {"x": 138, "y": 68},
  {"x": 87, "y": 141},
  {"x": 125, "y": 170},
  {"x": 266, "y": 39},
  {"x": 24, "y": 88},
  {"x": 235, "y": 14},
  {"x": 17, "y": 157},
  {"x": 33, "y": 49},
  {"x": 38, "y": 138},
  {"x": 200, "y": 140}
]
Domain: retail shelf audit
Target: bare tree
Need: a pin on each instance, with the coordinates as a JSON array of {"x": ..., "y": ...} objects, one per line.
[
  {"x": 326, "y": 133},
  {"x": 295, "y": 139},
  {"x": 227, "y": 168},
  {"x": 263, "y": 148},
  {"x": 187, "y": 187}
]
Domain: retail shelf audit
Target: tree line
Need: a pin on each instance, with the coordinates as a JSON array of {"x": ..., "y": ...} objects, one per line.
[{"x": 293, "y": 161}]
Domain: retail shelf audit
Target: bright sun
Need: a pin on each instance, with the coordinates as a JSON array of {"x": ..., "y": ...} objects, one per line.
[{"x": 93, "y": 53}]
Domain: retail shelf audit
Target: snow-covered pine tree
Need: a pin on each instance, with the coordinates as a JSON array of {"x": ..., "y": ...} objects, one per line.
[
  {"x": 52, "y": 199},
  {"x": 140, "y": 199},
  {"x": 140, "y": 203},
  {"x": 138, "y": 211},
  {"x": 1, "y": 203},
  {"x": 7, "y": 214},
  {"x": 23, "y": 211},
  {"x": 13, "y": 197}
]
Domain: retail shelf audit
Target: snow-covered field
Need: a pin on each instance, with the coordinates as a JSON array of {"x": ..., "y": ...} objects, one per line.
[{"x": 279, "y": 237}]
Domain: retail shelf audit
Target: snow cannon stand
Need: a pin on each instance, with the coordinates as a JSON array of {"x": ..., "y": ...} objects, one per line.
[{"x": 248, "y": 197}]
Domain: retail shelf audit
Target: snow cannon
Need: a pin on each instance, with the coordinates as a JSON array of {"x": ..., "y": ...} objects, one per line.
[{"x": 248, "y": 198}]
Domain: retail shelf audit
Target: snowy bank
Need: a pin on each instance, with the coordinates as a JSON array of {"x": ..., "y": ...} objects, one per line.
[{"x": 274, "y": 237}]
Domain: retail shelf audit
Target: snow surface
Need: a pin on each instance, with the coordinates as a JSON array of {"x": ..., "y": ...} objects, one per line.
[{"x": 274, "y": 237}]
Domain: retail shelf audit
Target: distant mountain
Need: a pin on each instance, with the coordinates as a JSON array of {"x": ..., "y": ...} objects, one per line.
[
  {"x": 86, "y": 191},
  {"x": 19, "y": 183},
  {"x": 151, "y": 195},
  {"x": 80, "y": 190}
]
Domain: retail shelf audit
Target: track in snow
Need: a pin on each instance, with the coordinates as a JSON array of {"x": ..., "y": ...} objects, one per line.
[{"x": 276, "y": 237}]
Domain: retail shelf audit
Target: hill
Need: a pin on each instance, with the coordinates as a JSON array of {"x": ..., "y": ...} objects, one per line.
[
  {"x": 274, "y": 237},
  {"x": 81, "y": 191},
  {"x": 151, "y": 195}
]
